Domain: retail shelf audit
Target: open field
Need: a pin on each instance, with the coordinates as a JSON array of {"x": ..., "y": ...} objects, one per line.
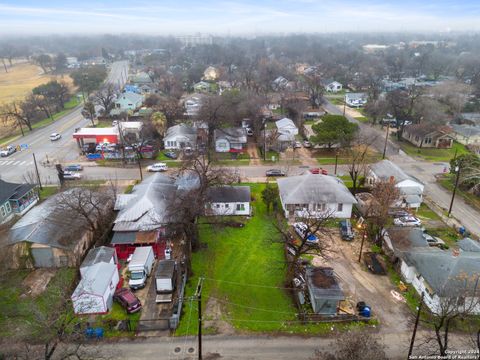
[{"x": 22, "y": 78}]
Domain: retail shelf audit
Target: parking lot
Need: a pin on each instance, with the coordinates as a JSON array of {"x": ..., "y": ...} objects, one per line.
[{"x": 359, "y": 284}]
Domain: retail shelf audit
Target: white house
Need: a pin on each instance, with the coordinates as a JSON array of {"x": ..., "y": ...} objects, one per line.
[
  {"x": 411, "y": 189},
  {"x": 101, "y": 254},
  {"x": 230, "y": 139},
  {"x": 466, "y": 134},
  {"x": 128, "y": 101},
  {"x": 228, "y": 200},
  {"x": 202, "y": 86},
  {"x": 333, "y": 86},
  {"x": 286, "y": 126},
  {"x": 356, "y": 99},
  {"x": 180, "y": 136},
  {"x": 313, "y": 195}
]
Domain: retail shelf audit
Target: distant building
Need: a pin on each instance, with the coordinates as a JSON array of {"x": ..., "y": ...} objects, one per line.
[
  {"x": 356, "y": 100},
  {"x": 230, "y": 139},
  {"x": 428, "y": 136}
]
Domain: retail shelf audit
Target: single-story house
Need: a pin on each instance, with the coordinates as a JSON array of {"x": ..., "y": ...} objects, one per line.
[
  {"x": 286, "y": 126},
  {"x": 127, "y": 101},
  {"x": 466, "y": 134},
  {"x": 202, "y": 86},
  {"x": 180, "y": 136},
  {"x": 94, "y": 293},
  {"x": 279, "y": 83},
  {"x": 144, "y": 214},
  {"x": 193, "y": 104},
  {"x": 474, "y": 148},
  {"x": 277, "y": 141},
  {"x": 131, "y": 88},
  {"x": 356, "y": 99},
  {"x": 16, "y": 199},
  {"x": 439, "y": 274},
  {"x": 411, "y": 189},
  {"x": 313, "y": 195},
  {"x": 428, "y": 136},
  {"x": 147, "y": 89},
  {"x": 333, "y": 86},
  {"x": 50, "y": 235},
  {"x": 230, "y": 139},
  {"x": 470, "y": 118},
  {"x": 140, "y": 78},
  {"x": 131, "y": 129},
  {"x": 228, "y": 200},
  {"x": 323, "y": 289}
]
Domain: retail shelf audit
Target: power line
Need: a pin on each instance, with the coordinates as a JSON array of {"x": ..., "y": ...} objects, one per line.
[{"x": 250, "y": 285}]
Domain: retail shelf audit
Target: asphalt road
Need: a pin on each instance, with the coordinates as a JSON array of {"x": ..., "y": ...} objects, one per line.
[{"x": 20, "y": 164}]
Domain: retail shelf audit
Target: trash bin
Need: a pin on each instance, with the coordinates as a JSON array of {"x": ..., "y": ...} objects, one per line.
[
  {"x": 461, "y": 230},
  {"x": 365, "y": 312},
  {"x": 89, "y": 332},
  {"x": 99, "y": 333}
]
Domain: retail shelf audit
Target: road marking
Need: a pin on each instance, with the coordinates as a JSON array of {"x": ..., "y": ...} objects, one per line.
[
  {"x": 8, "y": 162},
  {"x": 23, "y": 162}
]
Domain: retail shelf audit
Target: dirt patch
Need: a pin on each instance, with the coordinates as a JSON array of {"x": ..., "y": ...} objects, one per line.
[
  {"x": 213, "y": 310},
  {"x": 36, "y": 282}
]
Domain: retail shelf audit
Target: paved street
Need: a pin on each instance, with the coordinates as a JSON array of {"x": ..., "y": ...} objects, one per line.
[
  {"x": 422, "y": 170},
  {"x": 17, "y": 165}
]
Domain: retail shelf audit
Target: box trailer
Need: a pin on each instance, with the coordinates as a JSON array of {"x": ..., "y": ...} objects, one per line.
[
  {"x": 165, "y": 280},
  {"x": 140, "y": 266}
]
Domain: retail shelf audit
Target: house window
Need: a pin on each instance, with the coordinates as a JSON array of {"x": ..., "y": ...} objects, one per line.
[
  {"x": 227, "y": 205},
  {"x": 340, "y": 207},
  {"x": 3, "y": 211},
  {"x": 428, "y": 140},
  {"x": 8, "y": 208},
  {"x": 217, "y": 206},
  {"x": 240, "y": 207}
]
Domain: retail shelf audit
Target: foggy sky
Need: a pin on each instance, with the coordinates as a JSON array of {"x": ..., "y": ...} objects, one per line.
[{"x": 236, "y": 17}]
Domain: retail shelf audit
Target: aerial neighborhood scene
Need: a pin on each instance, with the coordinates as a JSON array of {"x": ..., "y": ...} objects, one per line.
[{"x": 240, "y": 180}]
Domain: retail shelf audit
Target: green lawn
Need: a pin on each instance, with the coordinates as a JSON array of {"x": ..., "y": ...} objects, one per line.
[
  {"x": 344, "y": 161},
  {"x": 425, "y": 213},
  {"x": 48, "y": 191},
  {"x": 249, "y": 276},
  {"x": 430, "y": 154},
  {"x": 447, "y": 182},
  {"x": 362, "y": 119},
  {"x": 16, "y": 310}
]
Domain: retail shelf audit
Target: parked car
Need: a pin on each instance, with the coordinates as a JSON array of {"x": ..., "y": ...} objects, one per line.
[
  {"x": 128, "y": 300},
  {"x": 7, "y": 151},
  {"x": 318, "y": 171},
  {"x": 157, "y": 167},
  {"x": 434, "y": 240},
  {"x": 188, "y": 151},
  {"x": 307, "y": 144},
  {"x": 346, "y": 231},
  {"x": 301, "y": 229},
  {"x": 68, "y": 175},
  {"x": 275, "y": 172},
  {"x": 249, "y": 132},
  {"x": 407, "y": 221},
  {"x": 170, "y": 154},
  {"x": 73, "y": 167},
  {"x": 55, "y": 136},
  {"x": 297, "y": 144},
  {"x": 114, "y": 122},
  {"x": 89, "y": 148}
]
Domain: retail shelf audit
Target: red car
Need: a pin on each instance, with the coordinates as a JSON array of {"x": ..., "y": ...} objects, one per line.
[
  {"x": 128, "y": 300},
  {"x": 319, "y": 171}
]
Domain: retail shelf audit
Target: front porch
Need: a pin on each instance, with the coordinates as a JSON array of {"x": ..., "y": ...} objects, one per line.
[{"x": 22, "y": 203}]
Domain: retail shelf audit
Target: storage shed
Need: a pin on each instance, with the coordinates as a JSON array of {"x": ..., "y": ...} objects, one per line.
[
  {"x": 324, "y": 291},
  {"x": 94, "y": 293}
]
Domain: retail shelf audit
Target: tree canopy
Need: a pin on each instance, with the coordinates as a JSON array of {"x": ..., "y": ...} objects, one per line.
[{"x": 334, "y": 129}]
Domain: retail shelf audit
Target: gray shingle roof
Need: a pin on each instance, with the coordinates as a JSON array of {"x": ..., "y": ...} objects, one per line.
[
  {"x": 466, "y": 130},
  {"x": 237, "y": 134},
  {"x": 228, "y": 194},
  {"x": 386, "y": 169},
  {"x": 10, "y": 190},
  {"x": 468, "y": 244},
  {"x": 285, "y": 122},
  {"x": 446, "y": 274},
  {"x": 314, "y": 188},
  {"x": 181, "y": 129}
]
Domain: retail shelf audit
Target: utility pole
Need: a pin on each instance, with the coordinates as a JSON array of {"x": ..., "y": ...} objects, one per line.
[
  {"x": 364, "y": 235},
  {"x": 386, "y": 141},
  {"x": 415, "y": 327},
  {"x": 138, "y": 152},
  {"x": 264, "y": 140},
  {"x": 336, "y": 162},
  {"x": 457, "y": 170},
  {"x": 198, "y": 295},
  {"x": 36, "y": 170},
  {"x": 344, "y": 104}
]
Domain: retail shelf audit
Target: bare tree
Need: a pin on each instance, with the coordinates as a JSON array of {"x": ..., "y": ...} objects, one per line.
[
  {"x": 106, "y": 99},
  {"x": 358, "y": 155},
  {"x": 458, "y": 299},
  {"x": 384, "y": 195},
  {"x": 353, "y": 346},
  {"x": 315, "y": 89},
  {"x": 301, "y": 244}
]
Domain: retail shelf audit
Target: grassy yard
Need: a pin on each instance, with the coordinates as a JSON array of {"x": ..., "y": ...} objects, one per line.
[
  {"x": 48, "y": 191},
  {"x": 425, "y": 213},
  {"x": 17, "y": 310},
  {"x": 244, "y": 275},
  {"x": 362, "y": 119},
  {"x": 430, "y": 154},
  {"x": 447, "y": 182}
]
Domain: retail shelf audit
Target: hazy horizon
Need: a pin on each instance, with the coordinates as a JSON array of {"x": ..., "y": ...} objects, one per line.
[{"x": 237, "y": 18}]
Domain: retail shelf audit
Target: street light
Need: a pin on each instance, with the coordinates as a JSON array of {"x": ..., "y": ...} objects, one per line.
[{"x": 457, "y": 171}]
